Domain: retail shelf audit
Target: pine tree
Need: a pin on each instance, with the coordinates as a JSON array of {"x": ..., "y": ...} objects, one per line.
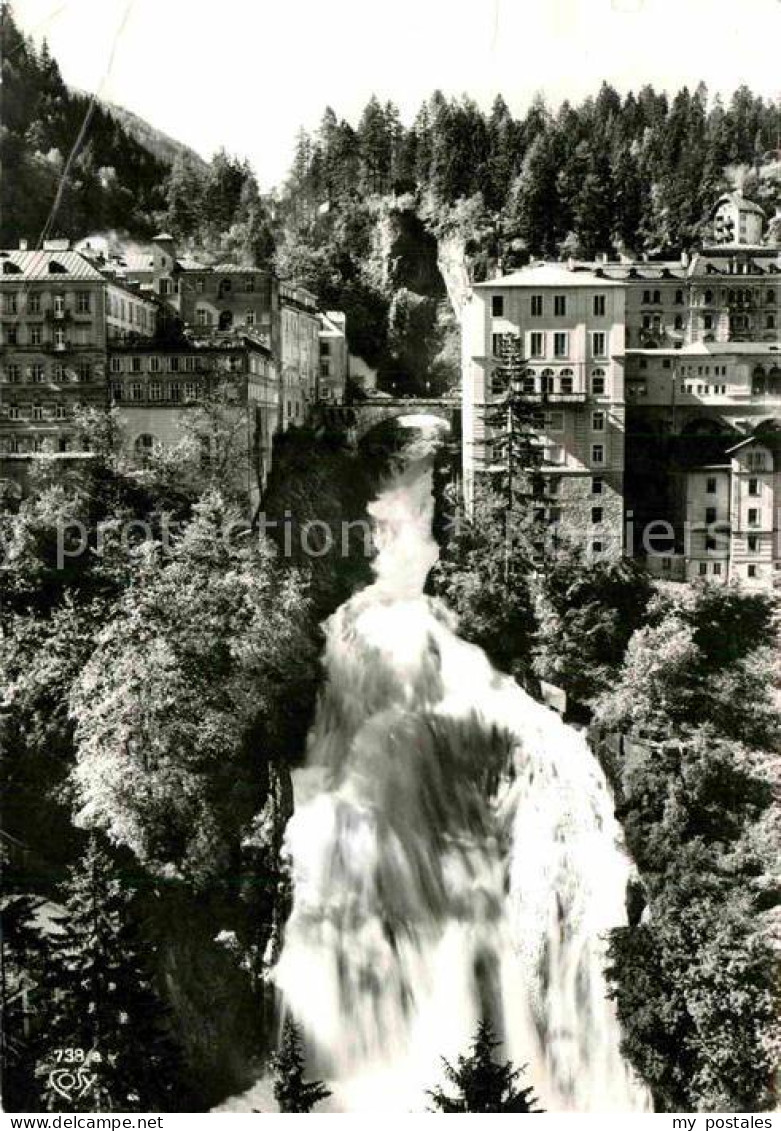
[
  {"x": 291, "y": 1091},
  {"x": 101, "y": 1000},
  {"x": 484, "y": 1085}
]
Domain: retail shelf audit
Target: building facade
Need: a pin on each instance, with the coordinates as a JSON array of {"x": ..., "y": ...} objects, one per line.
[
  {"x": 55, "y": 326},
  {"x": 157, "y": 386},
  {"x": 692, "y": 394},
  {"x": 570, "y": 324},
  {"x": 299, "y": 353},
  {"x": 333, "y": 357}
]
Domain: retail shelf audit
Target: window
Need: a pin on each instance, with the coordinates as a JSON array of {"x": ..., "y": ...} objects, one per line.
[
  {"x": 753, "y": 516},
  {"x": 155, "y": 365},
  {"x": 135, "y": 365},
  {"x": 679, "y": 298},
  {"x": 13, "y": 374},
  {"x": 59, "y": 412},
  {"x": 596, "y": 514},
  {"x": 646, "y": 296},
  {"x": 707, "y": 322},
  {"x": 13, "y": 412},
  {"x": 84, "y": 371},
  {"x": 710, "y": 485},
  {"x": 175, "y": 391},
  {"x": 560, "y": 345},
  {"x": 753, "y": 543},
  {"x": 717, "y": 569},
  {"x": 536, "y": 308},
  {"x": 599, "y": 306},
  {"x": 497, "y": 306},
  {"x": 83, "y": 302},
  {"x": 756, "y": 461},
  {"x": 678, "y": 321},
  {"x": 249, "y": 285},
  {"x": 703, "y": 569},
  {"x": 596, "y": 485},
  {"x": 554, "y": 421},
  {"x": 165, "y": 287},
  {"x": 753, "y": 486},
  {"x": 9, "y": 302},
  {"x": 496, "y": 344},
  {"x": 560, "y": 306},
  {"x": 115, "y": 365},
  {"x": 537, "y": 344},
  {"x": 597, "y": 422},
  {"x": 59, "y": 338},
  {"x": 34, "y": 303},
  {"x": 599, "y": 344},
  {"x": 751, "y": 570},
  {"x": 566, "y": 382},
  {"x": 598, "y": 382},
  {"x": 202, "y": 317},
  {"x": 36, "y": 335},
  {"x": 189, "y": 365},
  {"x": 155, "y": 391},
  {"x": 136, "y": 391},
  {"x": 190, "y": 391},
  {"x": 657, "y": 298},
  {"x": 710, "y": 515},
  {"x": 37, "y": 373},
  {"x": 710, "y": 543},
  {"x": 771, "y": 296},
  {"x": 597, "y": 547},
  {"x": 249, "y": 319},
  {"x": 37, "y": 412},
  {"x": 144, "y": 444},
  {"x": 646, "y": 321},
  {"x": 58, "y": 372},
  {"x": 598, "y": 453}
]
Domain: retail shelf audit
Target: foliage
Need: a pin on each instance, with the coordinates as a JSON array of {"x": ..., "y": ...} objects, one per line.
[
  {"x": 588, "y": 611},
  {"x": 483, "y": 1084},
  {"x": 99, "y": 996},
  {"x": 291, "y": 1091},
  {"x": 483, "y": 575},
  {"x": 696, "y": 981},
  {"x": 201, "y": 679}
]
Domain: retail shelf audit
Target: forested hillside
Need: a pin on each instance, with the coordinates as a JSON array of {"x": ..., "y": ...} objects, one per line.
[
  {"x": 612, "y": 174},
  {"x": 54, "y": 141}
]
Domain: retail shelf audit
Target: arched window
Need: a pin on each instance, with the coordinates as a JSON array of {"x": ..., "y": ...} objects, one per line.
[
  {"x": 226, "y": 320},
  {"x": 567, "y": 380},
  {"x": 708, "y": 297},
  {"x": 224, "y": 287},
  {"x": 771, "y": 295},
  {"x": 657, "y": 297},
  {"x": 547, "y": 380},
  {"x": 678, "y": 321},
  {"x": 679, "y": 298}
]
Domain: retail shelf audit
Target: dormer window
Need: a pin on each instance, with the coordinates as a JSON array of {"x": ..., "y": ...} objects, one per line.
[
  {"x": 56, "y": 268},
  {"x": 10, "y": 268}
]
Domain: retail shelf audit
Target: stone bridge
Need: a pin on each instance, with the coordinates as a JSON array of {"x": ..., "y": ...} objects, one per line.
[{"x": 359, "y": 418}]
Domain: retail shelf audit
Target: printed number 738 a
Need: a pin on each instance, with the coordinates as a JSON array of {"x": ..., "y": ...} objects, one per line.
[{"x": 69, "y": 1056}]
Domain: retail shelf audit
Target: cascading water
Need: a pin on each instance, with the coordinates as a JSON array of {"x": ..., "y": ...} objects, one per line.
[{"x": 458, "y": 857}]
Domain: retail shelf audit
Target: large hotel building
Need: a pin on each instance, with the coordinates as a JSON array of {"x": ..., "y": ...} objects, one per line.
[{"x": 659, "y": 392}]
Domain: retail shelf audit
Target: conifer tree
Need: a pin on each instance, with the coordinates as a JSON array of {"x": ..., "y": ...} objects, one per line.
[
  {"x": 291, "y": 1091},
  {"x": 484, "y": 1084},
  {"x": 101, "y": 1001}
]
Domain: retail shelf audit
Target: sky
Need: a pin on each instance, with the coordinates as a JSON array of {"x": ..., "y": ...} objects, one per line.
[{"x": 246, "y": 74}]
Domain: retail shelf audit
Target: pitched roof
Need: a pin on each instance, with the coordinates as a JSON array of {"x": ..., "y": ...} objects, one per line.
[
  {"x": 33, "y": 265},
  {"x": 548, "y": 275},
  {"x": 739, "y": 200}
]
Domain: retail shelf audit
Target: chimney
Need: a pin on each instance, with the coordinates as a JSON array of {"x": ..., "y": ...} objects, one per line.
[
  {"x": 684, "y": 259},
  {"x": 571, "y": 263},
  {"x": 23, "y": 245}
]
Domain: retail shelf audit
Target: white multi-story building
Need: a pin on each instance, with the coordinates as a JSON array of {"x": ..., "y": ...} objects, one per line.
[{"x": 571, "y": 326}]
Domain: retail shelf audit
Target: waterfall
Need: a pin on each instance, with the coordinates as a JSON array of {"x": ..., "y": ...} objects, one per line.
[{"x": 456, "y": 856}]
